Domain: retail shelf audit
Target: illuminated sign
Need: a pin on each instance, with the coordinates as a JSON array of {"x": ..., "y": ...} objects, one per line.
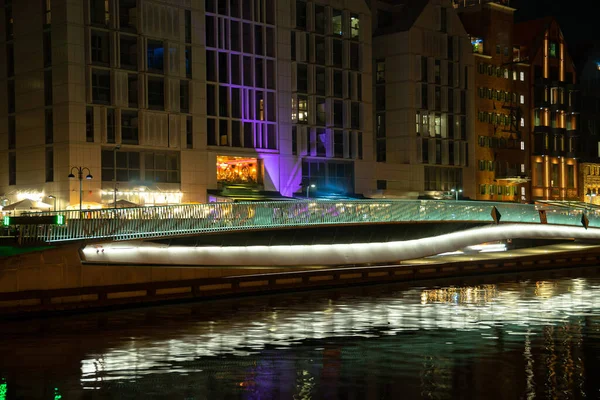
[{"x": 41, "y": 220}]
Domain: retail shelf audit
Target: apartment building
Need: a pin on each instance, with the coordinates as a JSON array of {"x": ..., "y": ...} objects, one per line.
[
  {"x": 423, "y": 111},
  {"x": 171, "y": 101},
  {"x": 554, "y": 132},
  {"x": 501, "y": 102}
]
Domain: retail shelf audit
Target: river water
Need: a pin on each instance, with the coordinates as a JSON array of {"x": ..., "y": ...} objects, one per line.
[{"x": 528, "y": 337}]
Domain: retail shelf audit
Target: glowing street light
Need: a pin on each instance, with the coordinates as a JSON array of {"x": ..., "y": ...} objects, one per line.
[
  {"x": 89, "y": 176},
  {"x": 312, "y": 185},
  {"x": 54, "y": 199},
  {"x": 456, "y": 192}
]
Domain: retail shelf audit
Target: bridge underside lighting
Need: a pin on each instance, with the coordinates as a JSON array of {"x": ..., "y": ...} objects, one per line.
[{"x": 141, "y": 253}]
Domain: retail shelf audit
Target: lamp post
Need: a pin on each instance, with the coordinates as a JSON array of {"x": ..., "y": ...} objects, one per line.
[
  {"x": 117, "y": 147},
  {"x": 312, "y": 185},
  {"x": 54, "y": 199},
  {"x": 456, "y": 192},
  {"x": 80, "y": 171}
]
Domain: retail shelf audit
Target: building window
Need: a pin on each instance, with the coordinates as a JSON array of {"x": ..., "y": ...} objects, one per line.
[
  {"x": 129, "y": 127},
  {"x": 302, "y": 78},
  {"x": 354, "y": 26},
  {"x": 301, "y": 14},
  {"x": 47, "y": 13},
  {"x": 128, "y": 51},
  {"x": 156, "y": 52},
  {"x": 188, "y": 61},
  {"x": 47, "y": 87},
  {"x": 132, "y": 89},
  {"x": 338, "y": 143},
  {"x": 188, "y": 26},
  {"x": 522, "y": 76},
  {"x": 337, "y": 53},
  {"x": 128, "y": 11},
  {"x": 189, "y": 134},
  {"x": 12, "y": 132},
  {"x": 184, "y": 96},
  {"x": 211, "y": 132},
  {"x": 294, "y": 140},
  {"x": 338, "y": 113},
  {"x": 380, "y": 98},
  {"x": 49, "y": 165},
  {"x": 110, "y": 125},
  {"x": 319, "y": 19},
  {"x": 47, "y": 43},
  {"x": 10, "y": 85},
  {"x": 89, "y": 124},
  {"x": 443, "y": 19},
  {"x": 321, "y": 142},
  {"x": 336, "y": 22},
  {"x": 100, "y": 86},
  {"x": 522, "y": 99},
  {"x": 552, "y": 49},
  {"x": 302, "y": 109},
  {"x": 321, "y": 114},
  {"x": 355, "y": 115},
  {"x": 99, "y": 12},
  {"x": 12, "y": 168},
  {"x": 10, "y": 60},
  {"x": 338, "y": 84},
  {"x": 156, "y": 93},
  {"x": 100, "y": 47},
  {"x": 49, "y": 127}
]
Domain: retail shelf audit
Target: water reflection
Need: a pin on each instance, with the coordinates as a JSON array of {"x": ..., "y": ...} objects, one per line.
[{"x": 517, "y": 339}]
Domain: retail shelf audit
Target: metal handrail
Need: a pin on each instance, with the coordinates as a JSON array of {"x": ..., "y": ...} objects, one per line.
[{"x": 186, "y": 219}]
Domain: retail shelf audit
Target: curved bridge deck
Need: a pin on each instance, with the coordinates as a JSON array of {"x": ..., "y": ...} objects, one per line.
[{"x": 192, "y": 219}]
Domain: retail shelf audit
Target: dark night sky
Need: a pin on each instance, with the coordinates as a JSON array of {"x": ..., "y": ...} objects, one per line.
[{"x": 578, "y": 19}]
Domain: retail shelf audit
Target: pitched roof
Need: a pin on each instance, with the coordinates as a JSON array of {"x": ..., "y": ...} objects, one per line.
[
  {"x": 531, "y": 33},
  {"x": 405, "y": 14}
]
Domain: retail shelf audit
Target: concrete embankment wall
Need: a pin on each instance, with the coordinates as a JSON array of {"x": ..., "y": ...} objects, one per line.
[{"x": 55, "y": 280}]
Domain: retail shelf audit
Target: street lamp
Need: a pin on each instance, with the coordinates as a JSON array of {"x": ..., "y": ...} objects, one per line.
[
  {"x": 53, "y": 198},
  {"x": 117, "y": 147},
  {"x": 456, "y": 192},
  {"x": 312, "y": 185},
  {"x": 89, "y": 176}
]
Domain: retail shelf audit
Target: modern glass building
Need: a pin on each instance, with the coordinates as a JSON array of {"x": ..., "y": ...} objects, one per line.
[{"x": 162, "y": 102}]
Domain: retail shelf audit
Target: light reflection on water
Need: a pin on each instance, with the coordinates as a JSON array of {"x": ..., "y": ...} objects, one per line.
[{"x": 515, "y": 339}]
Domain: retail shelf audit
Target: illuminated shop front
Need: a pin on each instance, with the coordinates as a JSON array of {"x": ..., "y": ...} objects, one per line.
[{"x": 237, "y": 170}]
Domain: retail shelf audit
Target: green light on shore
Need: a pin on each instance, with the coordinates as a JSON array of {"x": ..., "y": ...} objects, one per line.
[
  {"x": 3, "y": 389},
  {"x": 57, "y": 395}
]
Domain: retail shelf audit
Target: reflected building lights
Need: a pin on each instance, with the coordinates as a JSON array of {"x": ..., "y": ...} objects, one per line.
[{"x": 475, "y": 309}]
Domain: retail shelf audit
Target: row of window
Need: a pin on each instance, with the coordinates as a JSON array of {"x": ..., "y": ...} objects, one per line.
[
  {"x": 326, "y": 112},
  {"x": 439, "y": 72},
  {"x": 438, "y": 125},
  {"x": 321, "y": 142},
  {"x": 141, "y": 166},
  {"x": 328, "y": 175},
  {"x": 438, "y": 151},
  {"x": 262, "y": 11},
  {"x": 238, "y": 36},
  {"x": 241, "y": 103},
  {"x": 326, "y": 82},
  {"x": 555, "y": 175},
  {"x": 327, "y": 20},
  {"x": 555, "y": 119},
  {"x": 240, "y": 70},
  {"x": 500, "y": 143},
  {"x": 500, "y": 95},
  {"x": 545, "y": 142},
  {"x": 442, "y": 178},
  {"x": 101, "y": 45},
  {"x": 499, "y": 119},
  {"x": 321, "y": 50},
  {"x": 500, "y": 190},
  {"x": 430, "y": 97},
  {"x": 500, "y": 72},
  {"x": 124, "y": 17},
  {"x": 489, "y": 165},
  {"x": 102, "y": 88},
  {"x": 242, "y": 134}
]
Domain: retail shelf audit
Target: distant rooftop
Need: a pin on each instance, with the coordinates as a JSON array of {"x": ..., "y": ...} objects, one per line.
[{"x": 469, "y": 3}]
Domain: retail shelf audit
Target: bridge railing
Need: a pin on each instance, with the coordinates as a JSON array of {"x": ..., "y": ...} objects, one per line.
[{"x": 186, "y": 219}]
